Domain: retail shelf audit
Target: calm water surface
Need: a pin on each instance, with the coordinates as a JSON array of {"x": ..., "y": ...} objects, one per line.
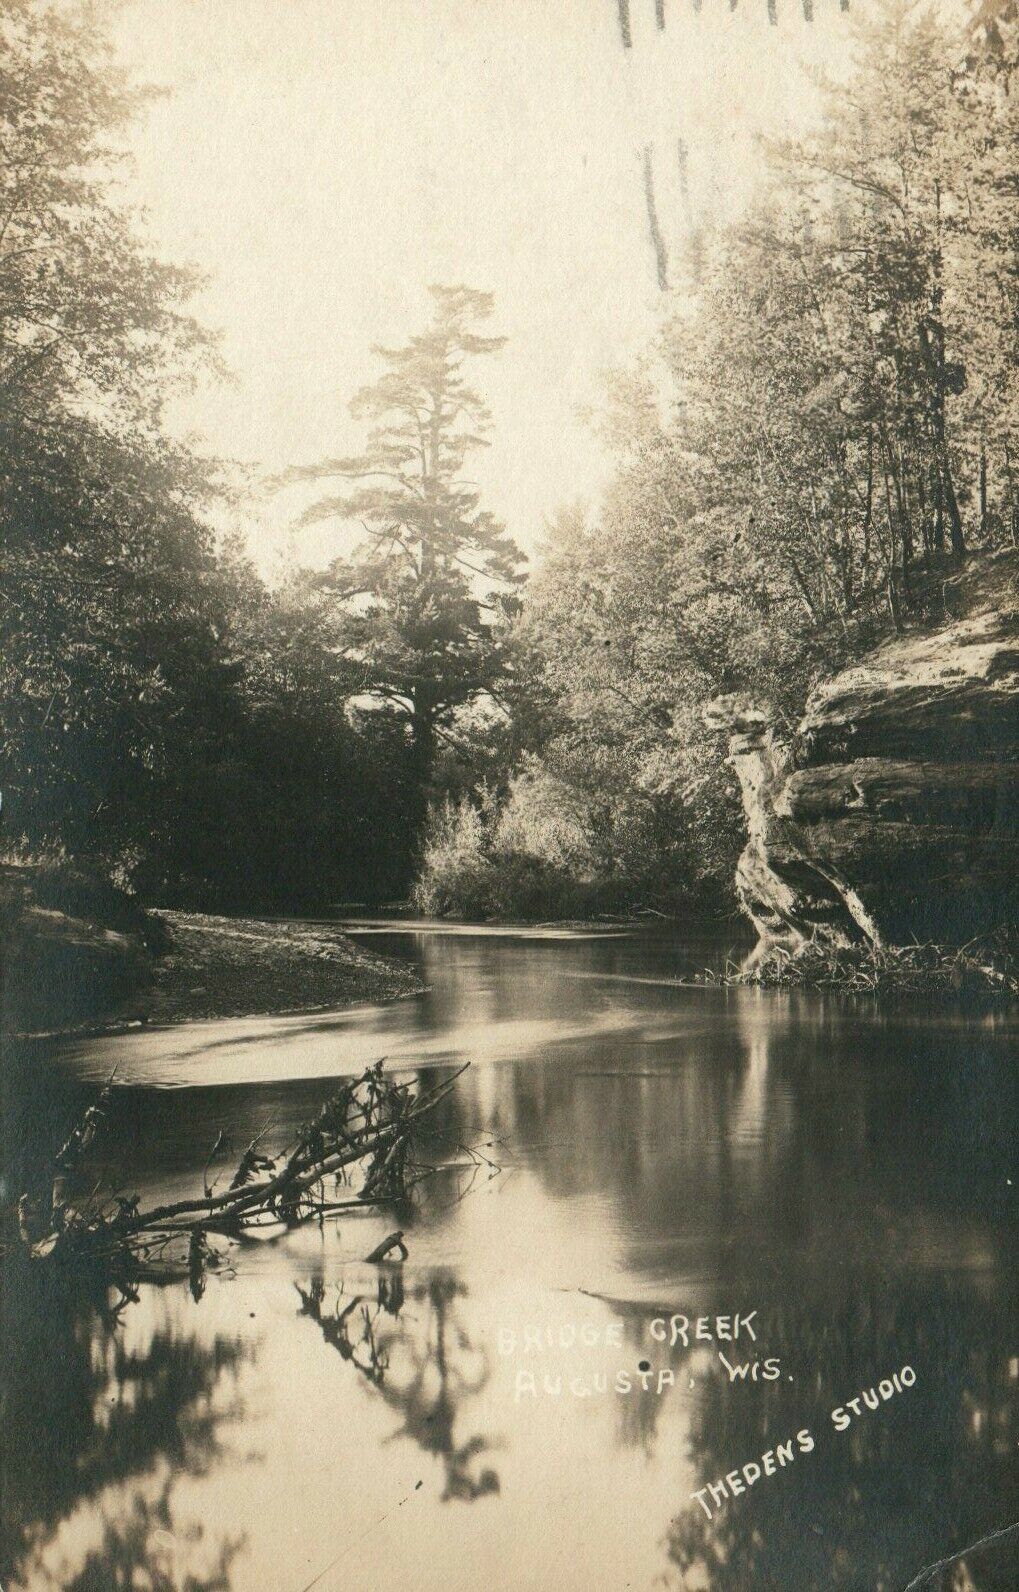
[{"x": 312, "y": 1421}]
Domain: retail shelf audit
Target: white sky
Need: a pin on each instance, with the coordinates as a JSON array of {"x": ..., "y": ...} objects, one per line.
[{"x": 324, "y": 160}]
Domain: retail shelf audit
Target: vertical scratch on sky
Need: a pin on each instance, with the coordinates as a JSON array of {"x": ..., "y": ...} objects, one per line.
[{"x": 661, "y": 254}]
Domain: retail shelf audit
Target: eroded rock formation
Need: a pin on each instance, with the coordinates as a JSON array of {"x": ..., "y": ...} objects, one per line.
[{"x": 893, "y": 813}]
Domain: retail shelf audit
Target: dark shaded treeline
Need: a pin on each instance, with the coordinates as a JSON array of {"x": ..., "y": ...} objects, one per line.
[{"x": 166, "y": 716}]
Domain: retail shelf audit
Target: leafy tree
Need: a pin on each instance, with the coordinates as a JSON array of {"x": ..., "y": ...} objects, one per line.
[
  {"x": 164, "y": 715},
  {"x": 828, "y": 423},
  {"x": 846, "y": 383},
  {"x": 114, "y": 658},
  {"x": 113, "y": 626},
  {"x": 421, "y": 604},
  {"x": 87, "y": 313}
]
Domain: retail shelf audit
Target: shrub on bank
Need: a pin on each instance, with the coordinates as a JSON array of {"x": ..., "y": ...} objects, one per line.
[
  {"x": 521, "y": 861},
  {"x": 464, "y": 874},
  {"x": 453, "y": 880}
]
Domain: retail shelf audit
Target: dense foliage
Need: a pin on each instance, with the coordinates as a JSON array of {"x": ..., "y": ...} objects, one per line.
[
  {"x": 828, "y": 419},
  {"x": 164, "y": 715}
]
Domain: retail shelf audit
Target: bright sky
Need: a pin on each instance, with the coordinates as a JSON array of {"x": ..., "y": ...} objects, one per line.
[{"x": 324, "y": 160}]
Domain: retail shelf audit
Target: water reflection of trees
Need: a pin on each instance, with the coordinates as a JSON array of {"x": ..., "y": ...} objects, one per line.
[
  {"x": 737, "y": 1122},
  {"x": 84, "y": 1416},
  {"x": 132, "y": 1555},
  {"x": 415, "y": 1353},
  {"x": 927, "y": 1473},
  {"x": 637, "y": 1413}
]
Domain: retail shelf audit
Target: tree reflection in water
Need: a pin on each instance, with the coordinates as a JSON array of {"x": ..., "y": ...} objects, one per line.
[
  {"x": 922, "y": 1477},
  {"x": 83, "y": 1416},
  {"x": 421, "y": 1362},
  {"x": 133, "y": 1545}
]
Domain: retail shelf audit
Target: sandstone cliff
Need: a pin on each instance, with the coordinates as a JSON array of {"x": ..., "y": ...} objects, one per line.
[{"x": 893, "y": 812}]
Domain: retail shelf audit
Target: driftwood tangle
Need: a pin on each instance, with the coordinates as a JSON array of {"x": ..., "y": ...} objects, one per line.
[{"x": 366, "y": 1127}]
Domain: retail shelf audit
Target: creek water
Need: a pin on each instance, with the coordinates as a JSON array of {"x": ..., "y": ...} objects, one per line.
[{"x": 508, "y": 1409}]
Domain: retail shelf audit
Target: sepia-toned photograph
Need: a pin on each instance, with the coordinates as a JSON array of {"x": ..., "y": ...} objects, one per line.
[{"x": 509, "y": 795}]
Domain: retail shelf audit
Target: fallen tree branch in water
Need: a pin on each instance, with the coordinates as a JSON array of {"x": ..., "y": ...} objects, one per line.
[
  {"x": 379, "y": 1253},
  {"x": 368, "y": 1123}
]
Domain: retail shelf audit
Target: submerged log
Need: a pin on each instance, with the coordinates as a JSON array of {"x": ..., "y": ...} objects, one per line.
[{"x": 380, "y": 1252}]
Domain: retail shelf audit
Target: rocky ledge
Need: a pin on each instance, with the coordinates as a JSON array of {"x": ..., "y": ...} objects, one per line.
[{"x": 892, "y": 814}]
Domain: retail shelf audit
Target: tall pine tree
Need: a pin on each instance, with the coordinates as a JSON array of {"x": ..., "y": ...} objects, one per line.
[{"x": 421, "y": 602}]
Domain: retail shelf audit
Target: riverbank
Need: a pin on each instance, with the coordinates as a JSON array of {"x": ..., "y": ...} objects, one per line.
[
  {"x": 239, "y": 967},
  {"x": 80, "y": 956},
  {"x": 974, "y": 974}
]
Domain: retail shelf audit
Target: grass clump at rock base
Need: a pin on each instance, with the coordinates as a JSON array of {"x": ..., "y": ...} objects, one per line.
[{"x": 983, "y": 970}]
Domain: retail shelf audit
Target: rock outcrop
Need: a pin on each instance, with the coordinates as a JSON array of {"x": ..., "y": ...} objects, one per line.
[{"x": 893, "y": 813}]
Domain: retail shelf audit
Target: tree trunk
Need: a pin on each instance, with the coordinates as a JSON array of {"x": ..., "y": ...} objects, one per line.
[
  {"x": 932, "y": 348},
  {"x": 422, "y": 761}
]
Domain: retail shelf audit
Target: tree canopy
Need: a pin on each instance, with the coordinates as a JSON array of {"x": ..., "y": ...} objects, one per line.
[
  {"x": 90, "y": 315},
  {"x": 164, "y": 714}
]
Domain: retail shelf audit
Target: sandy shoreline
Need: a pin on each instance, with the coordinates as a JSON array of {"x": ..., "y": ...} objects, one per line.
[
  {"x": 209, "y": 966},
  {"x": 238, "y": 967}
]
